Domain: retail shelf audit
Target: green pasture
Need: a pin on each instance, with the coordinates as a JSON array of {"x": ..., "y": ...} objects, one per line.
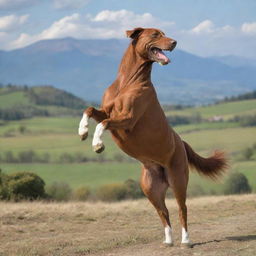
[
  {"x": 58, "y": 135},
  {"x": 89, "y": 174},
  {"x": 11, "y": 99},
  {"x": 96, "y": 174},
  {"x": 227, "y": 110},
  {"x": 188, "y": 128}
]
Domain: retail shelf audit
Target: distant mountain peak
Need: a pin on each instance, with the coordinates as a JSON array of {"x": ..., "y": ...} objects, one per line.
[{"x": 87, "y": 67}]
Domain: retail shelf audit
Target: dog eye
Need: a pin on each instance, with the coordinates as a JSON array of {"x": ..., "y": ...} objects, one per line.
[{"x": 155, "y": 35}]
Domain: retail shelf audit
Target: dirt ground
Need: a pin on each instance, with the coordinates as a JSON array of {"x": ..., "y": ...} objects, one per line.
[{"x": 223, "y": 226}]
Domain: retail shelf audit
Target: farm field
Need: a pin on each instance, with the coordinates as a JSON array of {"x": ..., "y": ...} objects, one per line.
[
  {"x": 58, "y": 136},
  {"x": 57, "y": 154},
  {"x": 220, "y": 226},
  {"x": 227, "y": 110}
]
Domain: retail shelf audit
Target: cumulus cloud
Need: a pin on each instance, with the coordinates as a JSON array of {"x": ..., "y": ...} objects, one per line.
[
  {"x": 208, "y": 27},
  {"x": 106, "y": 24},
  {"x": 70, "y": 4},
  {"x": 204, "y": 39},
  {"x": 16, "y": 4},
  {"x": 249, "y": 28},
  {"x": 207, "y": 39},
  {"x": 205, "y": 26},
  {"x": 12, "y": 22}
]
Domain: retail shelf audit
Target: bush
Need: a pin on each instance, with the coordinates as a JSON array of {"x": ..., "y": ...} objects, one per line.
[
  {"x": 59, "y": 191},
  {"x": 236, "y": 183},
  {"x": 24, "y": 185},
  {"x": 195, "y": 190},
  {"x": 247, "y": 153},
  {"x": 133, "y": 189},
  {"x": 81, "y": 194},
  {"x": 3, "y": 186},
  {"x": 28, "y": 156},
  {"x": 111, "y": 192}
]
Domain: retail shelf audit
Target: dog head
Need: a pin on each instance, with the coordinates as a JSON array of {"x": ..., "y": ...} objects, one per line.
[{"x": 150, "y": 43}]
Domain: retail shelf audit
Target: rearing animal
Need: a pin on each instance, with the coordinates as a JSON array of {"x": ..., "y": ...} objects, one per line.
[{"x": 131, "y": 111}]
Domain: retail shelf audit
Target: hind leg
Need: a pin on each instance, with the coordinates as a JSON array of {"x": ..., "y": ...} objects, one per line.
[
  {"x": 177, "y": 176},
  {"x": 154, "y": 186}
]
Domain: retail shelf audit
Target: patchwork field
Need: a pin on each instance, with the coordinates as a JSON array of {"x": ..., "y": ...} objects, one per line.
[{"x": 49, "y": 145}]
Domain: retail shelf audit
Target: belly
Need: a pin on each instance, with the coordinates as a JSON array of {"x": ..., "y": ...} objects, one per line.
[{"x": 150, "y": 139}]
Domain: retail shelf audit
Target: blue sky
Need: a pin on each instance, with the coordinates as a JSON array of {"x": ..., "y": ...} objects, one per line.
[{"x": 202, "y": 27}]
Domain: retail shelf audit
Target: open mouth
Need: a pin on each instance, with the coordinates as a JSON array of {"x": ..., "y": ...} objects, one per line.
[{"x": 158, "y": 55}]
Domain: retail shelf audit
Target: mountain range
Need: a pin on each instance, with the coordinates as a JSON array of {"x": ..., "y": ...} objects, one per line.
[{"x": 86, "y": 67}]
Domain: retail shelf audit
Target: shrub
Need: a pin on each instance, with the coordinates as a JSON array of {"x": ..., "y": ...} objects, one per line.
[
  {"x": 24, "y": 185},
  {"x": 28, "y": 156},
  {"x": 3, "y": 186},
  {"x": 133, "y": 189},
  {"x": 9, "y": 157},
  {"x": 236, "y": 183},
  {"x": 247, "y": 153},
  {"x": 59, "y": 191},
  {"x": 82, "y": 193},
  {"x": 111, "y": 192},
  {"x": 195, "y": 190}
]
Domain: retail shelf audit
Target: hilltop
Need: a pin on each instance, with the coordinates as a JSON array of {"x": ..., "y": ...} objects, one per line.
[{"x": 19, "y": 102}]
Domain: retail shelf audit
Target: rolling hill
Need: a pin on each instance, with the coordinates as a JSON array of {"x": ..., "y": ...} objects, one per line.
[
  {"x": 87, "y": 67},
  {"x": 18, "y": 102}
]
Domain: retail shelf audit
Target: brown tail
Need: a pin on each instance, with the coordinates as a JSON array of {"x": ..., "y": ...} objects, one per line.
[{"x": 213, "y": 166}]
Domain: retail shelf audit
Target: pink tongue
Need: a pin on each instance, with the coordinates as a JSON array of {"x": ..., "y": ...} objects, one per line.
[{"x": 162, "y": 56}]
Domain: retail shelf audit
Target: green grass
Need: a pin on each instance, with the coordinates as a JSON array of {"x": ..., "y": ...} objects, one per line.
[
  {"x": 89, "y": 174},
  {"x": 204, "y": 126},
  {"x": 231, "y": 139},
  {"x": 226, "y": 110},
  {"x": 248, "y": 168},
  {"x": 13, "y": 98},
  {"x": 58, "y": 135},
  {"x": 96, "y": 174}
]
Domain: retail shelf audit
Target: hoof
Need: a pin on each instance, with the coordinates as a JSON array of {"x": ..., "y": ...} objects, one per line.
[
  {"x": 84, "y": 136},
  {"x": 186, "y": 245},
  {"x": 165, "y": 245},
  {"x": 98, "y": 148}
]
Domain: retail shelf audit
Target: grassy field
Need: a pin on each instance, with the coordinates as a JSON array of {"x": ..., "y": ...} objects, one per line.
[
  {"x": 226, "y": 110},
  {"x": 220, "y": 226},
  {"x": 58, "y": 135}
]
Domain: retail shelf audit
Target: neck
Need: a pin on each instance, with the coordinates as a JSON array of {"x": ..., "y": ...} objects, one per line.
[{"x": 134, "y": 69}]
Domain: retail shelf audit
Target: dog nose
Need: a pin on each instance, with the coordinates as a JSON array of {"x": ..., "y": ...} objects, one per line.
[{"x": 173, "y": 43}]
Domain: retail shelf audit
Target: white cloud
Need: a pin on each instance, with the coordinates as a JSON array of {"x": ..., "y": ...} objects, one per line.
[
  {"x": 16, "y": 4},
  {"x": 128, "y": 19},
  {"x": 205, "y": 26},
  {"x": 208, "y": 27},
  {"x": 106, "y": 24},
  {"x": 204, "y": 39},
  {"x": 249, "y": 28},
  {"x": 12, "y": 22},
  {"x": 207, "y": 39},
  {"x": 70, "y": 4}
]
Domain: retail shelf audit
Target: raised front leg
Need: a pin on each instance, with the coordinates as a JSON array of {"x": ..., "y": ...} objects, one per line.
[
  {"x": 91, "y": 112},
  {"x": 123, "y": 122}
]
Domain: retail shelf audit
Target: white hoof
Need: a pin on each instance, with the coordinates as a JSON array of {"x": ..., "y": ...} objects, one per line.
[
  {"x": 83, "y": 127},
  {"x": 99, "y": 148}
]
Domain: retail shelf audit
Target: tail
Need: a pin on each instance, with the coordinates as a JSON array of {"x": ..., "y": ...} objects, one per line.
[{"x": 213, "y": 166}]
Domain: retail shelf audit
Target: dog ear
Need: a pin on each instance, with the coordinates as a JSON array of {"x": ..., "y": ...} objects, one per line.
[{"x": 134, "y": 33}]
